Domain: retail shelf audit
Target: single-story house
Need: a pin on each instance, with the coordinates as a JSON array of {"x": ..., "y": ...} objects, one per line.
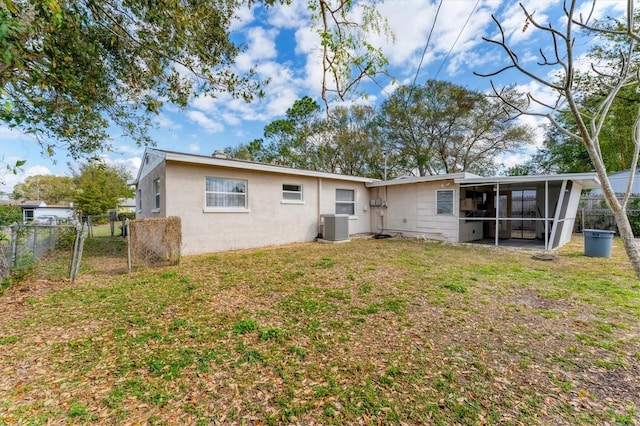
[
  {"x": 126, "y": 205},
  {"x": 619, "y": 181},
  {"x": 227, "y": 204},
  {"x": 32, "y": 209}
]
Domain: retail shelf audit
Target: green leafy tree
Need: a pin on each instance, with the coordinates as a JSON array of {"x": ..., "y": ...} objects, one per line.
[
  {"x": 345, "y": 143},
  {"x": 10, "y": 214},
  {"x": 48, "y": 188},
  {"x": 445, "y": 128},
  {"x": 558, "y": 154},
  {"x": 99, "y": 186},
  {"x": 292, "y": 141},
  {"x": 69, "y": 69},
  {"x": 353, "y": 146}
]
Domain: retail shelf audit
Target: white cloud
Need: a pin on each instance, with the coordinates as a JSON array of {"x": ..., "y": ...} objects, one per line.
[
  {"x": 164, "y": 122},
  {"x": 205, "y": 103},
  {"x": 131, "y": 164},
  {"x": 209, "y": 125},
  {"x": 194, "y": 147},
  {"x": 244, "y": 15},
  {"x": 293, "y": 15},
  {"x": 7, "y": 134},
  {"x": 9, "y": 180},
  {"x": 261, "y": 46}
]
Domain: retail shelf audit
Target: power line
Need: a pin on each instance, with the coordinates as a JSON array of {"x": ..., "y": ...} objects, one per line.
[
  {"x": 456, "y": 40},
  {"x": 428, "y": 40}
]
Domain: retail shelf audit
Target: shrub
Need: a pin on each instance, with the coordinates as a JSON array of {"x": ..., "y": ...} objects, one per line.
[{"x": 10, "y": 214}]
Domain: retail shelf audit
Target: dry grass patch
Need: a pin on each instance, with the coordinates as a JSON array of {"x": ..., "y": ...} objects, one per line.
[{"x": 370, "y": 332}]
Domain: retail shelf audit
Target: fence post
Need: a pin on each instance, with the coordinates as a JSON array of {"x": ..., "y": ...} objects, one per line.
[
  {"x": 14, "y": 245},
  {"x": 126, "y": 230},
  {"x": 74, "y": 256},
  {"x": 90, "y": 226},
  {"x": 35, "y": 242},
  {"x": 80, "y": 249}
]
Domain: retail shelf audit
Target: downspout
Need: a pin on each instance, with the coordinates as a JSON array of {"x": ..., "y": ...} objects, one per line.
[
  {"x": 319, "y": 199},
  {"x": 546, "y": 215}
]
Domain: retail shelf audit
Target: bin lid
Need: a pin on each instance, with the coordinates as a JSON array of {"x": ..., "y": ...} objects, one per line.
[{"x": 602, "y": 231}]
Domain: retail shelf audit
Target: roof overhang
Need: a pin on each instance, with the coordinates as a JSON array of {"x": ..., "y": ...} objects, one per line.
[
  {"x": 252, "y": 166},
  {"x": 421, "y": 179},
  {"x": 585, "y": 180}
]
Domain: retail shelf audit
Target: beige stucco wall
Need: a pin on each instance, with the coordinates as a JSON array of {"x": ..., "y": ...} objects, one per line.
[
  {"x": 267, "y": 220},
  {"x": 411, "y": 210},
  {"x": 152, "y": 171}
]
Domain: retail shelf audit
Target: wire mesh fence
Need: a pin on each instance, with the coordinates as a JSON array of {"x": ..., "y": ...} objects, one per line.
[{"x": 23, "y": 245}]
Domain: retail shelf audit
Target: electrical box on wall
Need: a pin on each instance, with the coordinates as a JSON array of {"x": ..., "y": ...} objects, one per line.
[{"x": 375, "y": 202}]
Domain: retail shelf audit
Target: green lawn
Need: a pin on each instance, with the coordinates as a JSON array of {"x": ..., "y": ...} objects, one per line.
[{"x": 364, "y": 332}]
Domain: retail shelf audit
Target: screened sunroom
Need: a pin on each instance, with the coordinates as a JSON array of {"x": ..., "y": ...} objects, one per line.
[{"x": 521, "y": 210}]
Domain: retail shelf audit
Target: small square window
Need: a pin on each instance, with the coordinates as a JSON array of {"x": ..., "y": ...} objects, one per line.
[{"x": 291, "y": 192}]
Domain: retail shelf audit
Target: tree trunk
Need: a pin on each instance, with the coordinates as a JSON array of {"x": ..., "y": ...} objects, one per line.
[
  {"x": 619, "y": 211},
  {"x": 628, "y": 239}
]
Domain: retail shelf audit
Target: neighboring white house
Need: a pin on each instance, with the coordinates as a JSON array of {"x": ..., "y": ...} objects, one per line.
[
  {"x": 31, "y": 210},
  {"x": 229, "y": 204},
  {"x": 619, "y": 181}
]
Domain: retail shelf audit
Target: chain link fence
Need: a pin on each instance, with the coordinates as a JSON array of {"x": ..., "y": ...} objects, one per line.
[{"x": 23, "y": 245}]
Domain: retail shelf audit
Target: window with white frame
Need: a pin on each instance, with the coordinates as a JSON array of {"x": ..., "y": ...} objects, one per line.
[
  {"x": 444, "y": 201},
  {"x": 291, "y": 193},
  {"x": 139, "y": 200},
  {"x": 156, "y": 194},
  {"x": 223, "y": 193},
  {"x": 346, "y": 201}
]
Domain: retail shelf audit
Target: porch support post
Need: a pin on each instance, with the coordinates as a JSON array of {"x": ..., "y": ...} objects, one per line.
[
  {"x": 556, "y": 216},
  {"x": 318, "y": 208},
  {"x": 546, "y": 215},
  {"x": 497, "y": 230}
]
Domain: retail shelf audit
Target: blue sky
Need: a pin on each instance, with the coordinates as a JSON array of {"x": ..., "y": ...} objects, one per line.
[{"x": 283, "y": 48}]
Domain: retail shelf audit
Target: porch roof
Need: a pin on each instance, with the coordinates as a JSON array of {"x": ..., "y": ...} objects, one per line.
[{"x": 586, "y": 180}]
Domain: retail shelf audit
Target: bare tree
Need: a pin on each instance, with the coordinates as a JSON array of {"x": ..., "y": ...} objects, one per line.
[
  {"x": 611, "y": 77},
  {"x": 347, "y": 56}
]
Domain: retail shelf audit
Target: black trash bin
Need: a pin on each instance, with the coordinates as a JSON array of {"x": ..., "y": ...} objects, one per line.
[{"x": 597, "y": 242}]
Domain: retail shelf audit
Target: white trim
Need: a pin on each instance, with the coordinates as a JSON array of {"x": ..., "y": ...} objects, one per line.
[
  {"x": 157, "y": 194},
  {"x": 587, "y": 180},
  {"x": 287, "y": 191},
  {"x": 354, "y": 202},
  {"x": 225, "y": 210},
  {"x": 246, "y": 165},
  {"x": 453, "y": 202},
  {"x": 208, "y": 208}
]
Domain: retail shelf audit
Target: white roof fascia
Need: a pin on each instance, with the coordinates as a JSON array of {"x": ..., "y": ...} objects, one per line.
[
  {"x": 147, "y": 151},
  {"x": 420, "y": 179},
  {"x": 261, "y": 167},
  {"x": 587, "y": 180}
]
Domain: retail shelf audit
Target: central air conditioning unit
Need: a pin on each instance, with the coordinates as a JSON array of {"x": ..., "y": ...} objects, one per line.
[{"x": 336, "y": 227}]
